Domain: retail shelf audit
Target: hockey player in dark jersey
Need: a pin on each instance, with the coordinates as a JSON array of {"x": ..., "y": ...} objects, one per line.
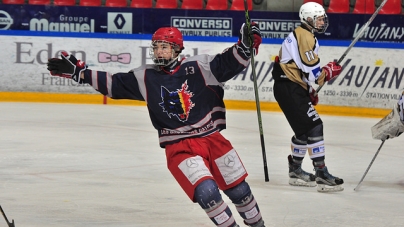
[
  {"x": 185, "y": 102},
  {"x": 296, "y": 67}
]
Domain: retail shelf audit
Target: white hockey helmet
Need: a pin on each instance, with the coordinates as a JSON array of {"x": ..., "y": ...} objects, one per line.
[{"x": 313, "y": 15}]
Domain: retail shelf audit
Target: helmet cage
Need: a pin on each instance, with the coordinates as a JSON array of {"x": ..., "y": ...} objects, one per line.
[
  {"x": 313, "y": 24},
  {"x": 163, "y": 45}
]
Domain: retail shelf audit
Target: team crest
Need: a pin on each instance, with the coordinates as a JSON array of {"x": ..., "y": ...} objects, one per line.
[{"x": 177, "y": 103}]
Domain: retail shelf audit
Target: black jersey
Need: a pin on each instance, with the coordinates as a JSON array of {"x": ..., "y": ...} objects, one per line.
[{"x": 184, "y": 103}]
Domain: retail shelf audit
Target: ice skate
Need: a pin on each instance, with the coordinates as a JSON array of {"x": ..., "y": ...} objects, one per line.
[
  {"x": 327, "y": 182},
  {"x": 258, "y": 224},
  {"x": 299, "y": 177}
]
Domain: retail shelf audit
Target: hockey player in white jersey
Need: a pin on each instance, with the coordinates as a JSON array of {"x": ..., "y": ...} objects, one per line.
[
  {"x": 392, "y": 125},
  {"x": 295, "y": 69}
]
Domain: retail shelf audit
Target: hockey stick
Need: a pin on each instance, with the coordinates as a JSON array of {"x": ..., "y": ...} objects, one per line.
[
  {"x": 5, "y": 217},
  {"x": 257, "y": 102},
  {"x": 374, "y": 157},
  {"x": 361, "y": 31}
]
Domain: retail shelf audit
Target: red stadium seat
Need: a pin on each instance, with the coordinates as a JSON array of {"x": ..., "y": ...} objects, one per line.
[
  {"x": 217, "y": 5},
  {"x": 321, "y": 2},
  {"x": 192, "y": 4},
  {"x": 391, "y": 7},
  {"x": 39, "y": 2},
  {"x": 338, "y": 6},
  {"x": 364, "y": 7},
  {"x": 90, "y": 3},
  {"x": 239, "y": 5},
  {"x": 116, "y": 3},
  {"x": 141, "y": 4},
  {"x": 13, "y": 1},
  {"x": 167, "y": 4},
  {"x": 64, "y": 2}
]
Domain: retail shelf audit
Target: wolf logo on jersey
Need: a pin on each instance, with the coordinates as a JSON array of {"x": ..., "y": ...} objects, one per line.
[{"x": 177, "y": 103}]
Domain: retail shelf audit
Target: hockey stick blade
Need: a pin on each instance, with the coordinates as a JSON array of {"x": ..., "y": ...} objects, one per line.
[
  {"x": 374, "y": 157},
  {"x": 10, "y": 224},
  {"x": 257, "y": 102},
  {"x": 360, "y": 33}
]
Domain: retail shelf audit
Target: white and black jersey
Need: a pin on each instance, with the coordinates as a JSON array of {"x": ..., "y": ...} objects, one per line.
[
  {"x": 298, "y": 59},
  {"x": 298, "y": 66}
]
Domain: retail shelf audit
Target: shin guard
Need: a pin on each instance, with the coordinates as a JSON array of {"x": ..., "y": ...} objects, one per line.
[
  {"x": 207, "y": 195},
  {"x": 245, "y": 204}
]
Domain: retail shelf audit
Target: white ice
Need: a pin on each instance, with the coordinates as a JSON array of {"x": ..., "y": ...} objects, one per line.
[{"x": 65, "y": 165}]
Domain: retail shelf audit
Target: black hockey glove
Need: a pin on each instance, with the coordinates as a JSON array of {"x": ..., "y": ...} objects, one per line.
[
  {"x": 68, "y": 67},
  {"x": 244, "y": 39}
]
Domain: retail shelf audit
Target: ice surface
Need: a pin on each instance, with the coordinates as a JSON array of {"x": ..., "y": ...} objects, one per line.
[{"x": 65, "y": 165}]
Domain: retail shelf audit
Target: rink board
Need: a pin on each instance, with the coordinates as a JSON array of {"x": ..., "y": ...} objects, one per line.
[{"x": 371, "y": 81}]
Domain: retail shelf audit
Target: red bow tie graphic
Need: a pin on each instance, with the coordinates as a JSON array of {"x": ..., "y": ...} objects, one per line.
[{"x": 104, "y": 57}]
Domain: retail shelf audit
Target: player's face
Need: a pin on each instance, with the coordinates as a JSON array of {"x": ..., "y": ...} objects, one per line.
[
  {"x": 162, "y": 50},
  {"x": 320, "y": 21}
]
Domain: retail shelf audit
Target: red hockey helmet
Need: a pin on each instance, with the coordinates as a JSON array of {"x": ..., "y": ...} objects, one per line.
[{"x": 169, "y": 34}]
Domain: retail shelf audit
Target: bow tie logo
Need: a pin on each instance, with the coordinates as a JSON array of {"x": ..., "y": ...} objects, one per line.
[{"x": 104, "y": 57}]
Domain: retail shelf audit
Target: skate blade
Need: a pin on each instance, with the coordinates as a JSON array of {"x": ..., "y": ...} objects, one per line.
[
  {"x": 302, "y": 183},
  {"x": 328, "y": 188}
]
